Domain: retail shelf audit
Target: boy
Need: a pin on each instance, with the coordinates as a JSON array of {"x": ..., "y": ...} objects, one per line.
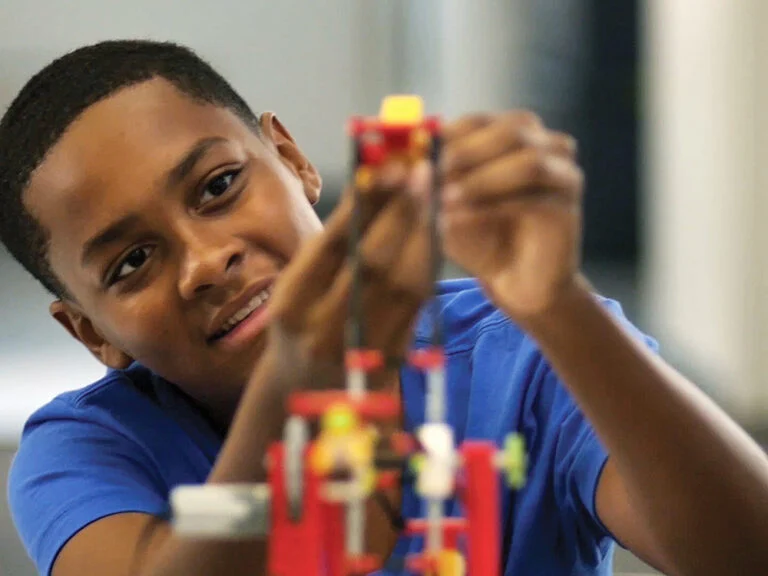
[{"x": 171, "y": 225}]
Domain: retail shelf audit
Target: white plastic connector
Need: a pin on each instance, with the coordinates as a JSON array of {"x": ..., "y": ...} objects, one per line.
[
  {"x": 224, "y": 511},
  {"x": 436, "y": 478},
  {"x": 295, "y": 439}
]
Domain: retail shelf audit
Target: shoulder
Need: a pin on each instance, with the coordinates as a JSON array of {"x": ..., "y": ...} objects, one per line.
[
  {"x": 78, "y": 430},
  {"x": 494, "y": 357},
  {"x": 466, "y": 314},
  {"x": 101, "y": 401},
  {"x": 72, "y": 423},
  {"x": 463, "y": 311},
  {"x": 79, "y": 460}
]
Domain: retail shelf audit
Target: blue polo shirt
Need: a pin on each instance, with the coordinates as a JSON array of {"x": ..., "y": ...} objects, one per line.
[{"x": 123, "y": 443}]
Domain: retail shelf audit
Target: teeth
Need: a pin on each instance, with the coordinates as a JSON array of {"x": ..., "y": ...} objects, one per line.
[{"x": 241, "y": 314}]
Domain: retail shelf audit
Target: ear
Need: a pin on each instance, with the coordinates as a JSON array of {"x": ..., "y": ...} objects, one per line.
[
  {"x": 81, "y": 328},
  {"x": 289, "y": 152}
]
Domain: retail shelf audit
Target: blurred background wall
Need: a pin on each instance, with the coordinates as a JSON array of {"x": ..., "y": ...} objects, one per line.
[
  {"x": 664, "y": 98},
  {"x": 704, "y": 239}
]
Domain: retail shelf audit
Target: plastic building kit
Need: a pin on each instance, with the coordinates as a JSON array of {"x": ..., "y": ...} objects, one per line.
[{"x": 312, "y": 508}]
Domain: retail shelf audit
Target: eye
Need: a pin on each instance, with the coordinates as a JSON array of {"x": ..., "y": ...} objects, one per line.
[
  {"x": 132, "y": 262},
  {"x": 218, "y": 186}
]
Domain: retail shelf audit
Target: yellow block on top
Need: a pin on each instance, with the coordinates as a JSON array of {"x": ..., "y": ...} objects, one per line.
[{"x": 402, "y": 109}]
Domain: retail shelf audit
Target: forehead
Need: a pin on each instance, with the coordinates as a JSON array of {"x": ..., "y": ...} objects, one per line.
[
  {"x": 117, "y": 148},
  {"x": 141, "y": 126}
]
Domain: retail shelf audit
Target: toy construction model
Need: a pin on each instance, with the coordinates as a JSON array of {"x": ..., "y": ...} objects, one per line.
[{"x": 312, "y": 508}]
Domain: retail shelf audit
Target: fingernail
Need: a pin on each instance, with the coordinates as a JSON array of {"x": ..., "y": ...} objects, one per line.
[{"x": 420, "y": 179}]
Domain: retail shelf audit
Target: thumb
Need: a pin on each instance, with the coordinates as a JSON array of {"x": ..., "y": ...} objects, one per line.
[{"x": 420, "y": 186}]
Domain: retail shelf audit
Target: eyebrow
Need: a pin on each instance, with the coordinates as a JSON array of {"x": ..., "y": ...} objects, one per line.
[
  {"x": 123, "y": 226},
  {"x": 109, "y": 235},
  {"x": 180, "y": 172}
]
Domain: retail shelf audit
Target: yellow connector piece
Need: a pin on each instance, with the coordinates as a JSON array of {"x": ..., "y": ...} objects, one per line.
[
  {"x": 402, "y": 109},
  {"x": 451, "y": 563}
]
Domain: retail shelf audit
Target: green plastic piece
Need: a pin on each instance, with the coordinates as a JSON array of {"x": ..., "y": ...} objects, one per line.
[
  {"x": 341, "y": 421},
  {"x": 416, "y": 463},
  {"x": 515, "y": 460}
]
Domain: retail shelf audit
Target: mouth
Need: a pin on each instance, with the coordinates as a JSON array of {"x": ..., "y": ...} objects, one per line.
[{"x": 248, "y": 316}]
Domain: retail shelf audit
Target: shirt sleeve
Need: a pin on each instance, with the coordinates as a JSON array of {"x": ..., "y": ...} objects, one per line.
[
  {"x": 70, "y": 472},
  {"x": 580, "y": 459}
]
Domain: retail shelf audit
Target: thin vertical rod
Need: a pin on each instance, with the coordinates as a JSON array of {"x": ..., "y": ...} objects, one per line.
[
  {"x": 356, "y": 378},
  {"x": 355, "y": 332},
  {"x": 436, "y": 256},
  {"x": 436, "y": 374}
]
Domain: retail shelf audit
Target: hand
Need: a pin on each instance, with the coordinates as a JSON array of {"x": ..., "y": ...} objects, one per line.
[
  {"x": 511, "y": 211},
  {"x": 310, "y": 308}
]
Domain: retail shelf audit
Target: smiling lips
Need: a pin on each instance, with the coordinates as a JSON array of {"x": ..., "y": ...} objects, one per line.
[
  {"x": 242, "y": 314},
  {"x": 231, "y": 323}
]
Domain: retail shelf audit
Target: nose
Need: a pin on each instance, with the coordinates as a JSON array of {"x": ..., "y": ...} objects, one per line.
[{"x": 209, "y": 262}]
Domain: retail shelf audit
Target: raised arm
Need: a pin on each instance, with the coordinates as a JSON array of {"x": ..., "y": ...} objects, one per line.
[{"x": 684, "y": 486}]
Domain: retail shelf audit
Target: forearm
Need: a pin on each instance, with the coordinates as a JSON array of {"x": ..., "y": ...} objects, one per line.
[
  {"x": 700, "y": 482},
  {"x": 182, "y": 557},
  {"x": 257, "y": 423}
]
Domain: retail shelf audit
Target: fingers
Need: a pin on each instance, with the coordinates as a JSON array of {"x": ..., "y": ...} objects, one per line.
[
  {"x": 562, "y": 144},
  {"x": 392, "y": 332},
  {"x": 458, "y": 225},
  {"x": 489, "y": 158},
  {"x": 411, "y": 275},
  {"x": 314, "y": 268},
  {"x": 395, "y": 278},
  {"x": 474, "y": 142},
  {"x": 379, "y": 248},
  {"x": 509, "y": 134},
  {"x": 465, "y": 125},
  {"x": 515, "y": 176},
  {"x": 392, "y": 303}
]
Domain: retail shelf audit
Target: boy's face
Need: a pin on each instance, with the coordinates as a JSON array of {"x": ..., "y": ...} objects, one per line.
[{"x": 167, "y": 217}]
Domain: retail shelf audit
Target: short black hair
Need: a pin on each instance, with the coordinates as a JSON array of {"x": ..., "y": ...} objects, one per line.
[{"x": 57, "y": 95}]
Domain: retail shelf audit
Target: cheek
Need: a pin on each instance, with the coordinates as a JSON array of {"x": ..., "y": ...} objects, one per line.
[
  {"x": 306, "y": 221},
  {"x": 279, "y": 216},
  {"x": 147, "y": 330}
]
